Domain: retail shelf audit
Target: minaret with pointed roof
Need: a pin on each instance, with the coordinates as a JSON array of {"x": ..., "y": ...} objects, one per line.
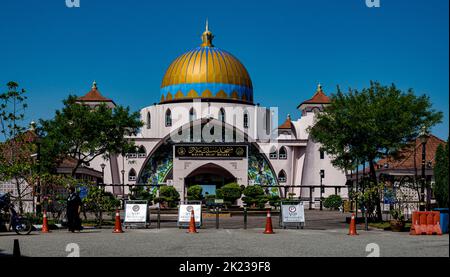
[
  {"x": 317, "y": 102},
  {"x": 95, "y": 98}
]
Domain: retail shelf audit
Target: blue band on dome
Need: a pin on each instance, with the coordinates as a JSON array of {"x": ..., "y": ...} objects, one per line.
[{"x": 213, "y": 87}]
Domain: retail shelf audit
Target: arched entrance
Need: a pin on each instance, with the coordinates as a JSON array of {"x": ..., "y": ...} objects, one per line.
[{"x": 211, "y": 177}]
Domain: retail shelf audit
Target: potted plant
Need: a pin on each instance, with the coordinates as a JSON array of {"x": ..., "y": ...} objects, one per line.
[{"x": 398, "y": 221}]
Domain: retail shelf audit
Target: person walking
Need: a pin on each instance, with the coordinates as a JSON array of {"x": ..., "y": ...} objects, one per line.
[{"x": 73, "y": 211}]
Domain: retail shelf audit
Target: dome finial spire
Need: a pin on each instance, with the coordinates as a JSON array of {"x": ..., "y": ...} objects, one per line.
[
  {"x": 94, "y": 85},
  {"x": 207, "y": 36}
]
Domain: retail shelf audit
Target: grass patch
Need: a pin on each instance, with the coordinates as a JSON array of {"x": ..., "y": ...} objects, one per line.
[
  {"x": 386, "y": 225},
  {"x": 380, "y": 225}
]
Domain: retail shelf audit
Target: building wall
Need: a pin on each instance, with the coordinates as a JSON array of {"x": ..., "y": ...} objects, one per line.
[{"x": 302, "y": 166}]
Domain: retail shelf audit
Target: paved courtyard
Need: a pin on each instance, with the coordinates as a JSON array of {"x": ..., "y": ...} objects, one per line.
[{"x": 325, "y": 235}]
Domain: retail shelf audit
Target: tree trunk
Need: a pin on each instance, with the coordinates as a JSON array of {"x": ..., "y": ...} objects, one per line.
[
  {"x": 74, "y": 170},
  {"x": 373, "y": 177},
  {"x": 19, "y": 196}
]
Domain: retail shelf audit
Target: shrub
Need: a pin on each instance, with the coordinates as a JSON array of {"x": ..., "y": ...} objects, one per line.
[
  {"x": 230, "y": 192},
  {"x": 99, "y": 201},
  {"x": 195, "y": 193},
  {"x": 333, "y": 202},
  {"x": 397, "y": 215},
  {"x": 274, "y": 200},
  {"x": 255, "y": 196},
  {"x": 168, "y": 195},
  {"x": 142, "y": 193}
]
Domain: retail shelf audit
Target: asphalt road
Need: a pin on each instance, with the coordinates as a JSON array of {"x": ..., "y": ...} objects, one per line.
[
  {"x": 226, "y": 243},
  {"x": 325, "y": 235}
]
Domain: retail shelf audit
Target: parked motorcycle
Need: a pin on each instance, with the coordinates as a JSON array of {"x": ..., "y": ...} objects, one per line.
[{"x": 21, "y": 225}]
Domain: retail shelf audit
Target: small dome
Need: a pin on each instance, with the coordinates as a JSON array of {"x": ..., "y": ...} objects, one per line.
[{"x": 207, "y": 72}]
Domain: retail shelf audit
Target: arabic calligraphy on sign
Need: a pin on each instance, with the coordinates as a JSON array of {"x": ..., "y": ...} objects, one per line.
[{"x": 215, "y": 151}]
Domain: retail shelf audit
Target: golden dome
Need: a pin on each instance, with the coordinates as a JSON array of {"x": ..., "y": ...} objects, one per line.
[{"x": 207, "y": 71}]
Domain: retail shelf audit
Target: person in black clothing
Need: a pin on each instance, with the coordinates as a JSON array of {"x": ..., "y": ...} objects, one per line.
[{"x": 73, "y": 211}]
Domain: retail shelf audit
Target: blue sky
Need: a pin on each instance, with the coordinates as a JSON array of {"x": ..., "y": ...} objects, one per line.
[{"x": 288, "y": 46}]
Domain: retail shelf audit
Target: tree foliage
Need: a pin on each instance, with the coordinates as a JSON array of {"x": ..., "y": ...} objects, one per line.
[
  {"x": 195, "y": 193},
  {"x": 441, "y": 175},
  {"x": 16, "y": 145},
  {"x": 255, "y": 196},
  {"x": 142, "y": 193},
  {"x": 98, "y": 201},
  {"x": 370, "y": 124},
  {"x": 83, "y": 133},
  {"x": 230, "y": 192},
  {"x": 168, "y": 195},
  {"x": 333, "y": 202}
]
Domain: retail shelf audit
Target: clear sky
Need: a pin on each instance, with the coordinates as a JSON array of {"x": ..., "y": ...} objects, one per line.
[{"x": 288, "y": 46}]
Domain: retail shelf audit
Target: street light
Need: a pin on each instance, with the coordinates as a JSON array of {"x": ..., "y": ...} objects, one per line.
[
  {"x": 38, "y": 187},
  {"x": 123, "y": 183},
  {"x": 423, "y": 138}
]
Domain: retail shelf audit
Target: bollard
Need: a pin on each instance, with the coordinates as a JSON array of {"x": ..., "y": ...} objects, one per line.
[
  {"x": 217, "y": 217},
  {"x": 158, "y": 225},
  {"x": 16, "y": 248},
  {"x": 365, "y": 220},
  {"x": 245, "y": 218}
]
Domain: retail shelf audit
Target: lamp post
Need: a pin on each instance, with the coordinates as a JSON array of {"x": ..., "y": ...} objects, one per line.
[
  {"x": 423, "y": 137},
  {"x": 322, "y": 175},
  {"x": 123, "y": 183},
  {"x": 38, "y": 186}
]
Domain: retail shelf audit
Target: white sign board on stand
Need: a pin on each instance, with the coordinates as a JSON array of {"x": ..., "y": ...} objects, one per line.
[
  {"x": 136, "y": 213},
  {"x": 293, "y": 213},
  {"x": 184, "y": 214}
]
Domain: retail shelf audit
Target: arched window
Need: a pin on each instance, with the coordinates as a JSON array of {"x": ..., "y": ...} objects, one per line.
[
  {"x": 282, "y": 177},
  {"x": 273, "y": 153},
  {"x": 245, "y": 120},
  {"x": 192, "y": 115},
  {"x": 168, "y": 118},
  {"x": 132, "y": 175},
  {"x": 142, "y": 152},
  {"x": 149, "y": 121},
  {"x": 322, "y": 154},
  {"x": 282, "y": 154},
  {"x": 222, "y": 115}
]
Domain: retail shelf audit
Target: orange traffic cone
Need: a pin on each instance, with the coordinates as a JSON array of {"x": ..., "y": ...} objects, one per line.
[
  {"x": 44, "y": 223},
  {"x": 118, "y": 225},
  {"x": 352, "y": 231},
  {"x": 269, "y": 229},
  {"x": 192, "y": 228}
]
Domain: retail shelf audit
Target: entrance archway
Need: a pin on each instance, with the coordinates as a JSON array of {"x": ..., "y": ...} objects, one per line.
[{"x": 211, "y": 177}]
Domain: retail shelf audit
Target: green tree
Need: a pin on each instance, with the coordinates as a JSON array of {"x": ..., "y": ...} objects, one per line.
[
  {"x": 168, "y": 195},
  {"x": 84, "y": 133},
  {"x": 195, "y": 193},
  {"x": 441, "y": 175},
  {"x": 99, "y": 202},
  {"x": 369, "y": 124},
  {"x": 230, "y": 192},
  {"x": 16, "y": 145}
]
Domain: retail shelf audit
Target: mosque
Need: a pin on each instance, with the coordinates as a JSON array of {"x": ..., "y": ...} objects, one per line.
[{"x": 207, "y": 130}]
